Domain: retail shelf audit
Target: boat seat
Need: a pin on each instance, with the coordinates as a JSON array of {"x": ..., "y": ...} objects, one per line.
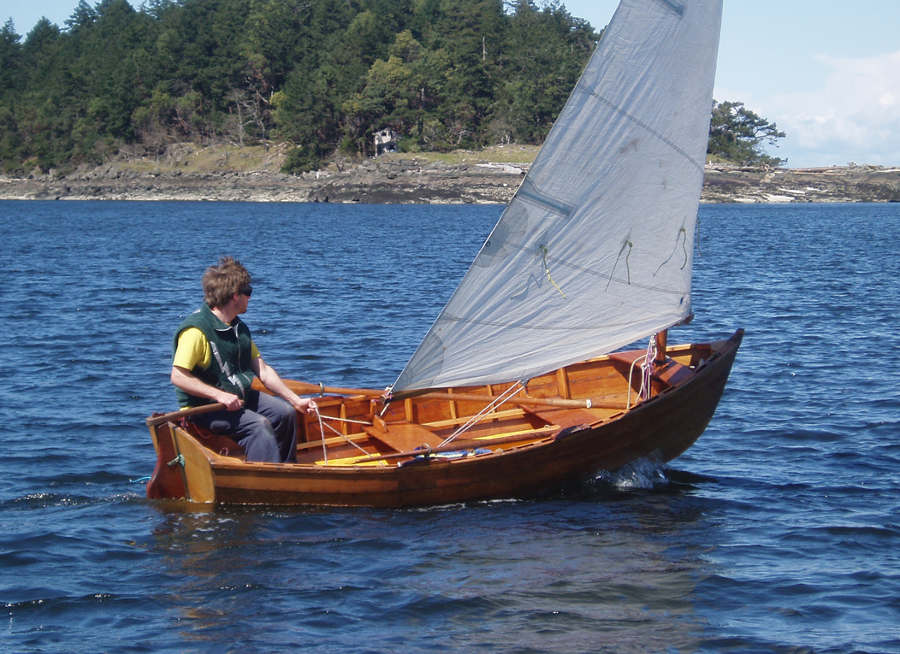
[
  {"x": 402, "y": 437},
  {"x": 564, "y": 417},
  {"x": 672, "y": 373}
]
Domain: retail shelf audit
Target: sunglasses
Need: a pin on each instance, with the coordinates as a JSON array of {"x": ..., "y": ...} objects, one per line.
[{"x": 246, "y": 290}]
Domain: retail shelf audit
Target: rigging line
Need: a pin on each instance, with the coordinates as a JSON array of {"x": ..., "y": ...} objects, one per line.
[
  {"x": 646, "y": 360},
  {"x": 504, "y": 397},
  {"x": 544, "y": 252},
  {"x": 322, "y": 434},
  {"x": 586, "y": 270},
  {"x": 630, "y": 371},
  {"x": 627, "y": 244},
  {"x": 682, "y": 238},
  {"x": 336, "y": 419},
  {"x": 344, "y": 436},
  {"x": 580, "y": 270},
  {"x": 647, "y": 369}
]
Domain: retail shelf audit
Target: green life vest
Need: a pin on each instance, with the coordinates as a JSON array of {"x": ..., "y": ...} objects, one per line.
[{"x": 230, "y": 364}]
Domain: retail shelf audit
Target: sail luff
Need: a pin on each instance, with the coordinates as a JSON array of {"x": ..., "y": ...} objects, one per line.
[{"x": 596, "y": 248}]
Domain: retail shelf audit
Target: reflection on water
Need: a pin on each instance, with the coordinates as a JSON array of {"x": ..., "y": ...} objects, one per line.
[{"x": 580, "y": 574}]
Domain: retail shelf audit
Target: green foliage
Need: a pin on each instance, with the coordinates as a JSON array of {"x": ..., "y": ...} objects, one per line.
[
  {"x": 537, "y": 79},
  {"x": 737, "y": 134},
  {"x": 301, "y": 160},
  {"x": 10, "y": 58},
  {"x": 319, "y": 74}
]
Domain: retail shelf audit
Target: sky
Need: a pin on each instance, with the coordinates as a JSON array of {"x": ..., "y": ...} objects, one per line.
[{"x": 826, "y": 72}]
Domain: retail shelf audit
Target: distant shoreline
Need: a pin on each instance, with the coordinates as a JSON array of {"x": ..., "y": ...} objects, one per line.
[{"x": 491, "y": 176}]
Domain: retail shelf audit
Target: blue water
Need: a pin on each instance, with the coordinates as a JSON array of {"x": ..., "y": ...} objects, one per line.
[{"x": 779, "y": 531}]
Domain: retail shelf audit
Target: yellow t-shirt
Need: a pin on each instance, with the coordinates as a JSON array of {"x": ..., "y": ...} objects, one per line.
[{"x": 193, "y": 350}]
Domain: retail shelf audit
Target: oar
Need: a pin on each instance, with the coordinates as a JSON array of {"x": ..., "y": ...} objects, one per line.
[
  {"x": 515, "y": 399},
  {"x": 175, "y": 415},
  {"x": 308, "y": 388}
]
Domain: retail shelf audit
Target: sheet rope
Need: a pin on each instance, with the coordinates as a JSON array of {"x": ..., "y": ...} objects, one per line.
[
  {"x": 646, "y": 361},
  {"x": 504, "y": 397},
  {"x": 322, "y": 426}
]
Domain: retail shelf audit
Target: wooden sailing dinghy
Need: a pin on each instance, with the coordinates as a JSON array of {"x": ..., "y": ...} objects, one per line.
[{"x": 517, "y": 389}]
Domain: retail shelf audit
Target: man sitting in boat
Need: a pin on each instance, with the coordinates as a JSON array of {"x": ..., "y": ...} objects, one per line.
[{"x": 216, "y": 361}]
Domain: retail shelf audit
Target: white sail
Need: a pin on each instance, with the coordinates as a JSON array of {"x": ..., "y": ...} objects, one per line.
[{"x": 595, "y": 249}]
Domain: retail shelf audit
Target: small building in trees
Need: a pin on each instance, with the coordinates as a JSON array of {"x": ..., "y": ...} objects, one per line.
[{"x": 385, "y": 141}]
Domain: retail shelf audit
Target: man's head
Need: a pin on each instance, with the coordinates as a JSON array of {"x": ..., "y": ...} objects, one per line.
[{"x": 222, "y": 282}]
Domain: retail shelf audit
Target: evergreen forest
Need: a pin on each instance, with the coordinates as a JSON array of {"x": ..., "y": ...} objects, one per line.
[{"x": 322, "y": 75}]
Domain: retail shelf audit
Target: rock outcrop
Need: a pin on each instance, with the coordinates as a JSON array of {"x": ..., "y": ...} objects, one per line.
[{"x": 398, "y": 178}]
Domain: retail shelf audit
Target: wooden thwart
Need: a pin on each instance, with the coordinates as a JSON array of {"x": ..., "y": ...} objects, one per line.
[
  {"x": 401, "y": 437},
  {"x": 565, "y": 417},
  {"x": 333, "y": 440}
]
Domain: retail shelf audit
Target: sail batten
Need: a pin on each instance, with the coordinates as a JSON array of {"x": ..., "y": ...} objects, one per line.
[
  {"x": 595, "y": 250},
  {"x": 528, "y": 193},
  {"x": 674, "y": 6}
]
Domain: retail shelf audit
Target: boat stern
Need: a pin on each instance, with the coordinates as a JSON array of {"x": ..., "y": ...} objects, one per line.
[{"x": 183, "y": 466}]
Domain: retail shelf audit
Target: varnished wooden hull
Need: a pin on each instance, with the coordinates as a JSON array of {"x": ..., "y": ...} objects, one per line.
[{"x": 523, "y": 452}]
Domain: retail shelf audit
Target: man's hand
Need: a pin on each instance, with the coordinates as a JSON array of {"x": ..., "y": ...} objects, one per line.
[
  {"x": 304, "y": 404},
  {"x": 274, "y": 383},
  {"x": 190, "y": 383},
  {"x": 231, "y": 401}
]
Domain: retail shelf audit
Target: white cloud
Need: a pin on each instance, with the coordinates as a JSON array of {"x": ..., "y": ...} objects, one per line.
[{"x": 854, "y": 116}]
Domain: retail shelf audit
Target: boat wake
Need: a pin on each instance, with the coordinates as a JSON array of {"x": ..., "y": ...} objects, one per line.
[{"x": 642, "y": 474}]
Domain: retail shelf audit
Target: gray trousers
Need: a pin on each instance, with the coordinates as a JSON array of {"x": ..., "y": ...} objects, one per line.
[{"x": 266, "y": 427}]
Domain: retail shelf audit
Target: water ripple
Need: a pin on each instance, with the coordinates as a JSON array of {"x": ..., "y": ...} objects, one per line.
[{"x": 777, "y": 532}]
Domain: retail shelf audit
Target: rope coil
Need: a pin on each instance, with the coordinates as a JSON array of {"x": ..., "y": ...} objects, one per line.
[{"x": 646, "y": 361}]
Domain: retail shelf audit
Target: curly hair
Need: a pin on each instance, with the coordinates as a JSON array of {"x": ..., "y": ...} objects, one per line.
[{"x": 221, "y": 282}]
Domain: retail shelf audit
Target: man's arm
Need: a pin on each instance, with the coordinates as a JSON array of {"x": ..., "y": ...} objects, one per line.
[
  {"x": 190, "y": 383},
  {"x": 274, "y": 383}
]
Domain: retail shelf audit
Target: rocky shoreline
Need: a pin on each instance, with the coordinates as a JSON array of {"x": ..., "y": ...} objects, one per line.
[
  {"x": 835, "y": 184},
  {"x": 398, "y": 178}
]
